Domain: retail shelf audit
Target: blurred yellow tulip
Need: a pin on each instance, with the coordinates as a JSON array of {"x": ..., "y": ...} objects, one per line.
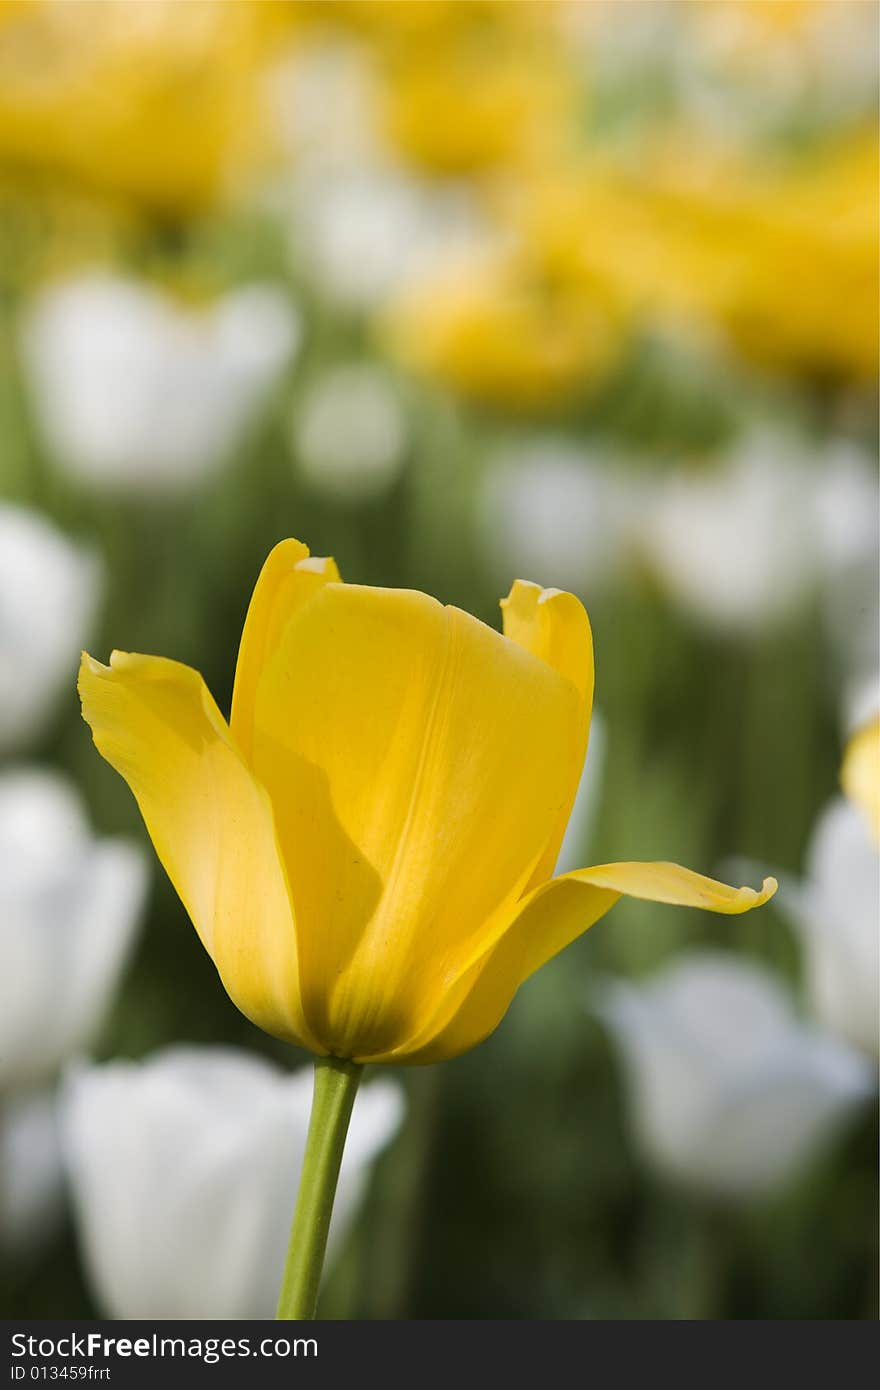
[
  {"x": 860, "y": 774},
  {"x": 700, "y": 238},
  {"x": 497, "y": 333},
  {"x": 465, "y": 87},
  {"x": 157, "y": 102},
  {"x": 366, "y": 848},
  {"x": 460, "y": 111}
]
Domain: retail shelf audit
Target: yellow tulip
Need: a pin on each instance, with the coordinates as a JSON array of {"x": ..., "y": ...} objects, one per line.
[
  {"x": 692, "y": 235},
  {"x": 158, "y": 103},
  {"x": 366, "y": 848},
  {"x": 497, "y": 333},
  {"x": 860, "y": 774},
  {"x": 451, "y": 112}
]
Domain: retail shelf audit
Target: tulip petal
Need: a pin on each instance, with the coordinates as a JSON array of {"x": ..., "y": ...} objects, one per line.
[
  {"x": 288, "y": 579},
  {"x": 554, "y": 626},
  {"x": 547, "y": 921},
  {"x": 415, "y": 759},
  {"x": 210, "y": 822}
]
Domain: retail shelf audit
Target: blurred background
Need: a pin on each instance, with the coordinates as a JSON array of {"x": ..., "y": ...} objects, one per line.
[{"x": 584, "y": 293}]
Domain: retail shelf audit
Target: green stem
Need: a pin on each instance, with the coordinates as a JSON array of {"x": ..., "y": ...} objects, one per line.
[{"x": 336, "y": 1084}]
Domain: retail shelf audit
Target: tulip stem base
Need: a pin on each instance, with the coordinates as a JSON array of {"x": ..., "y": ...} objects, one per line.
[{"x": 336, "y": 1084}]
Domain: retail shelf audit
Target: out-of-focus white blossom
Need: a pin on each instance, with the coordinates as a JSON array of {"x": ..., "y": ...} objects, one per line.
[
  {"x": 834, "y": 906},
  {"x": 846, "y": 503},
  {"x": 835, "y": 909},
  {"x": 184, "y": 1171},
  {"x": 365, "y": 234},
  {"x": 845, "y": 500},
  {"x": 824, "y": 61},
  {"x": 733, "y": 545},
  {"x": 49, "y": 591},
  {"x": 69, "y": 907},
  {"x": 861, "y": 702},
  {"x": 728, "y": 1091},
  {"x": 743, "y": 544},
  {"x": 327, "y": 101},
  {"x": 134, "y": 390},
  {"x": 31, "y": 1172},
  {"x": 732, "y": 68},
  {"x": 349, "y": 432},
  {"x": 557, "y": 512}
]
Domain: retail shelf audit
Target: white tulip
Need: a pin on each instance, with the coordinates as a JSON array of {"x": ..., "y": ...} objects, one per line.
[
  {"x": 728, "y": 1091},
  {"x": 845, "y": 498},
  {"x": 557, "y": 511},
  {"x": 327, "y": 100},
  {"x": 184, "y": 1171},
  {"x": 134, "y": 390},
  {"x": 49, "y": 591},
  {"x": 861, "y": 703},
  {"x": 848, "y": 507},
  {"x": 835, "y": 910},
  {"x": 31, "y": 1172},
  {"x": 69, "y": 907},
  {"x": 716, "y": 540},
  {"x": 826, "y": 62},
  {"x": 742, "y": 545},
  {"x": 349, "y": 432},
  {"x": 365, "y": 234}
]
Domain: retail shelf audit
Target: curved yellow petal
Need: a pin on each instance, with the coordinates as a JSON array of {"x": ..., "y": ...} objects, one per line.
[
  {"x": 662, "y": 882},
  {"x": 550, "y": 919},
  {"x": 415, "y": 759},
  {"x": 288, "y": 579},
  {"x": 860, "y": 774},
  {"x": 210, "y": 822},
  {"x": 553, "y": 625}
]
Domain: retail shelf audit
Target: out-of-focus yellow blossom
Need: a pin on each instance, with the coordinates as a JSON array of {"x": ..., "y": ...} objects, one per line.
[
  {"x": 392, "y": 26},
  {"x": 491, "y": 330},
  {"x": 158, "y": 102},
  {"x": 809, "y": 290},
  {"x": 786, "y": 262},
  {"x": 860, "y": 774},
  {"x": 388, "y": 22},
  {"x": 460, "y": 109},
  {"x": 467, "y": 87},
  {"x": 366, "y": 849}
]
